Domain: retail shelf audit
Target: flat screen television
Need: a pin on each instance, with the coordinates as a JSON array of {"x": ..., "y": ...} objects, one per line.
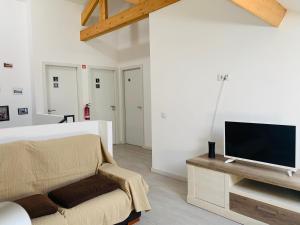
[{"x": 262, "y": 143}]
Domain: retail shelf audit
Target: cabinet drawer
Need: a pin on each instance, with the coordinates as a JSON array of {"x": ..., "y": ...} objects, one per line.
[
  {"x": 263, "y": 212},
  {"x": 206, "y": 185}
]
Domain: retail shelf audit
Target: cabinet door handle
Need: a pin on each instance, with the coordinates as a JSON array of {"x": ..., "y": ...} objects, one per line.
[{"x": 269, "y": 211}]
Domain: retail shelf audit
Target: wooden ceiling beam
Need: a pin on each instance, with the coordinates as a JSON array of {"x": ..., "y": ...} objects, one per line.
[
  {"x": 103, "y": 10},
  {"x": 88, "y": 10},
  {"x": 271, "y": 11},
  {"x": 124, "y": 18},
  {"x": 135, "y": 1}
]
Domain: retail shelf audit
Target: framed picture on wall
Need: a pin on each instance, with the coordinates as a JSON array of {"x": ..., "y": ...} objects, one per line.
[{"x": 4, "y": 113}]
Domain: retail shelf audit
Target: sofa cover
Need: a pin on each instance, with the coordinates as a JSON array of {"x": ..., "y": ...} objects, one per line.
[
  {"x": 55, "y": 219},
  {"x": 33, "y": 167}
]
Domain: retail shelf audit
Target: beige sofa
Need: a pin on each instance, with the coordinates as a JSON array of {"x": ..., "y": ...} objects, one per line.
[{"x": 32, "y": 167}]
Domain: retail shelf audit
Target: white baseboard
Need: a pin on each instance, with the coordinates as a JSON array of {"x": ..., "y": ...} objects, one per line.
[{"x": 173, "y": 176}]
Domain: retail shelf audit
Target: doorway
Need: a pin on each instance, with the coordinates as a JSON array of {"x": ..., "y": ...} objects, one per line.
[
  {"x": 62, "y": 90},
  {"x": 103, "y": 96},
  {"x": 134, "y": 106}
]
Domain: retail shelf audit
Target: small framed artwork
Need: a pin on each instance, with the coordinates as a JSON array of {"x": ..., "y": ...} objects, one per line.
[
  {"x": 55, "y": 85},
  {"x": 97, "y": 80},
  {"x": 8, "y": 65},
  {"x": 97, "y": 86},
  {"x": 22, "y": 111},
  {"x": 55, "y": 79},
  {"x": 4, "y": 113}
]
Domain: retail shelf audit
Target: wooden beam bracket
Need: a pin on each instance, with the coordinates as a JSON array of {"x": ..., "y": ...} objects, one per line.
[
  {"x": 103, "y": 10},
  {"x": 135, "y": 1},
  {"x": 88, "y": 10},
  {"x": 107, "y": 24}
]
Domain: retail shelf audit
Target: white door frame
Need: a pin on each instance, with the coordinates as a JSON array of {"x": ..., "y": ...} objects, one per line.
[
  {"x": 122, "y": 71},
  {"x": 90, "y": 86},
  {"x": 45, "y": 86}
]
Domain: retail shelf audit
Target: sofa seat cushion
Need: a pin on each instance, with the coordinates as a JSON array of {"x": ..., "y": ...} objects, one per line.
[
  {"x": 83, "y": 190},
  {"x": 107, "y": 209},
  {"x": 54, "y": 219},
  {"x": 37, "y": 206}
]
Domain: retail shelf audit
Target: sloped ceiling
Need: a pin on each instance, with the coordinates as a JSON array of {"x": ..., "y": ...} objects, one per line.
[
  {"x": 293, "y": 5},
  {"x": 114, "y": 6}
]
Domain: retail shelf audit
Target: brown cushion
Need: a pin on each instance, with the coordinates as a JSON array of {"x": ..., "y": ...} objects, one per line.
[
  {"x": 37, "y": 206},
  {"x": 84, "y": 190}
]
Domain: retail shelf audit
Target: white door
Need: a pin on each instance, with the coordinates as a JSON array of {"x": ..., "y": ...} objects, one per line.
[
  {"x": 134, "y": 107},
  {"x": 62, "y": 90},
  {"x": 103, "y": 106}
]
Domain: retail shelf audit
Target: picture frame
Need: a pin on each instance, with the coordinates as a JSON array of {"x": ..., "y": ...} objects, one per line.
[
  {"x": 4, "y": 113},
  {"x": 22, "y": 111}
]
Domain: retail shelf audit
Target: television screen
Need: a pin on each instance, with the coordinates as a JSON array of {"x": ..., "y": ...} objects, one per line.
[{"x": 274, "y": 144}]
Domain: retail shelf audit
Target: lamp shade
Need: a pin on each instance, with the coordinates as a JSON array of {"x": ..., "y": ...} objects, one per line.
[{"x": 13, "y": 214}]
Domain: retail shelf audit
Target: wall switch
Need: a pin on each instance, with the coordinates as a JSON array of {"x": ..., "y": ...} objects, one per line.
[{"x": 223, "y": 77}]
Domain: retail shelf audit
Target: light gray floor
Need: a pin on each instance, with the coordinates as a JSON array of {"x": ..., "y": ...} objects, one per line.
[{"x": 167, "y": 196}]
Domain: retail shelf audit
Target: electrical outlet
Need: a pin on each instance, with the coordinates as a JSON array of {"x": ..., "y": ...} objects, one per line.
[{"x": 223, "y": 77}]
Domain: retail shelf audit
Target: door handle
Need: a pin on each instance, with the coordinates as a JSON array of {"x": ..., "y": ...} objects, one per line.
[
  {"x": 51, "y": 110},
  {"x": 113, "y": 107},
  {"x": 140, "y": 107}
]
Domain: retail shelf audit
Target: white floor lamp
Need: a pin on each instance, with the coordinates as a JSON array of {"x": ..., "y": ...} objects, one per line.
[
  {"x": 211, "y": 142},
  {"x": 13, "y": 214}
]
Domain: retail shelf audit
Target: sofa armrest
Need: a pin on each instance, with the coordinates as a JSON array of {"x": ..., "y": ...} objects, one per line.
[{"x": 132, "y": 183}]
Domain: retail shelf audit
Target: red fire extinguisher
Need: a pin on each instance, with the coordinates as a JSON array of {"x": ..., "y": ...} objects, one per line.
[{"x": 87, "y": 112}]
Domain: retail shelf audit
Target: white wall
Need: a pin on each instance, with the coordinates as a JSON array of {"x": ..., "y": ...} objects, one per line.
[
  {"x": 41, "y": 119},
  {"x": 134, "y": 50},
  {"x": 52, "y": 131},
  {"x": 193, "y": 41},
  {"x": 47, "y": 32},
  {"x": 55, "y": 38},
  {"x": 14, "y": 48}
]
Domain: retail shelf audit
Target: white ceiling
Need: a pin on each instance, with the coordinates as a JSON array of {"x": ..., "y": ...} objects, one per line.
[
  {"x": 293, "y": 5},
  {"x": 114, "y": 6}
]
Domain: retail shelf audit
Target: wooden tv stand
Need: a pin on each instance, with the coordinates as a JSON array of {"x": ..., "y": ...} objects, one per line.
[{"x": 247, "y": 193}]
